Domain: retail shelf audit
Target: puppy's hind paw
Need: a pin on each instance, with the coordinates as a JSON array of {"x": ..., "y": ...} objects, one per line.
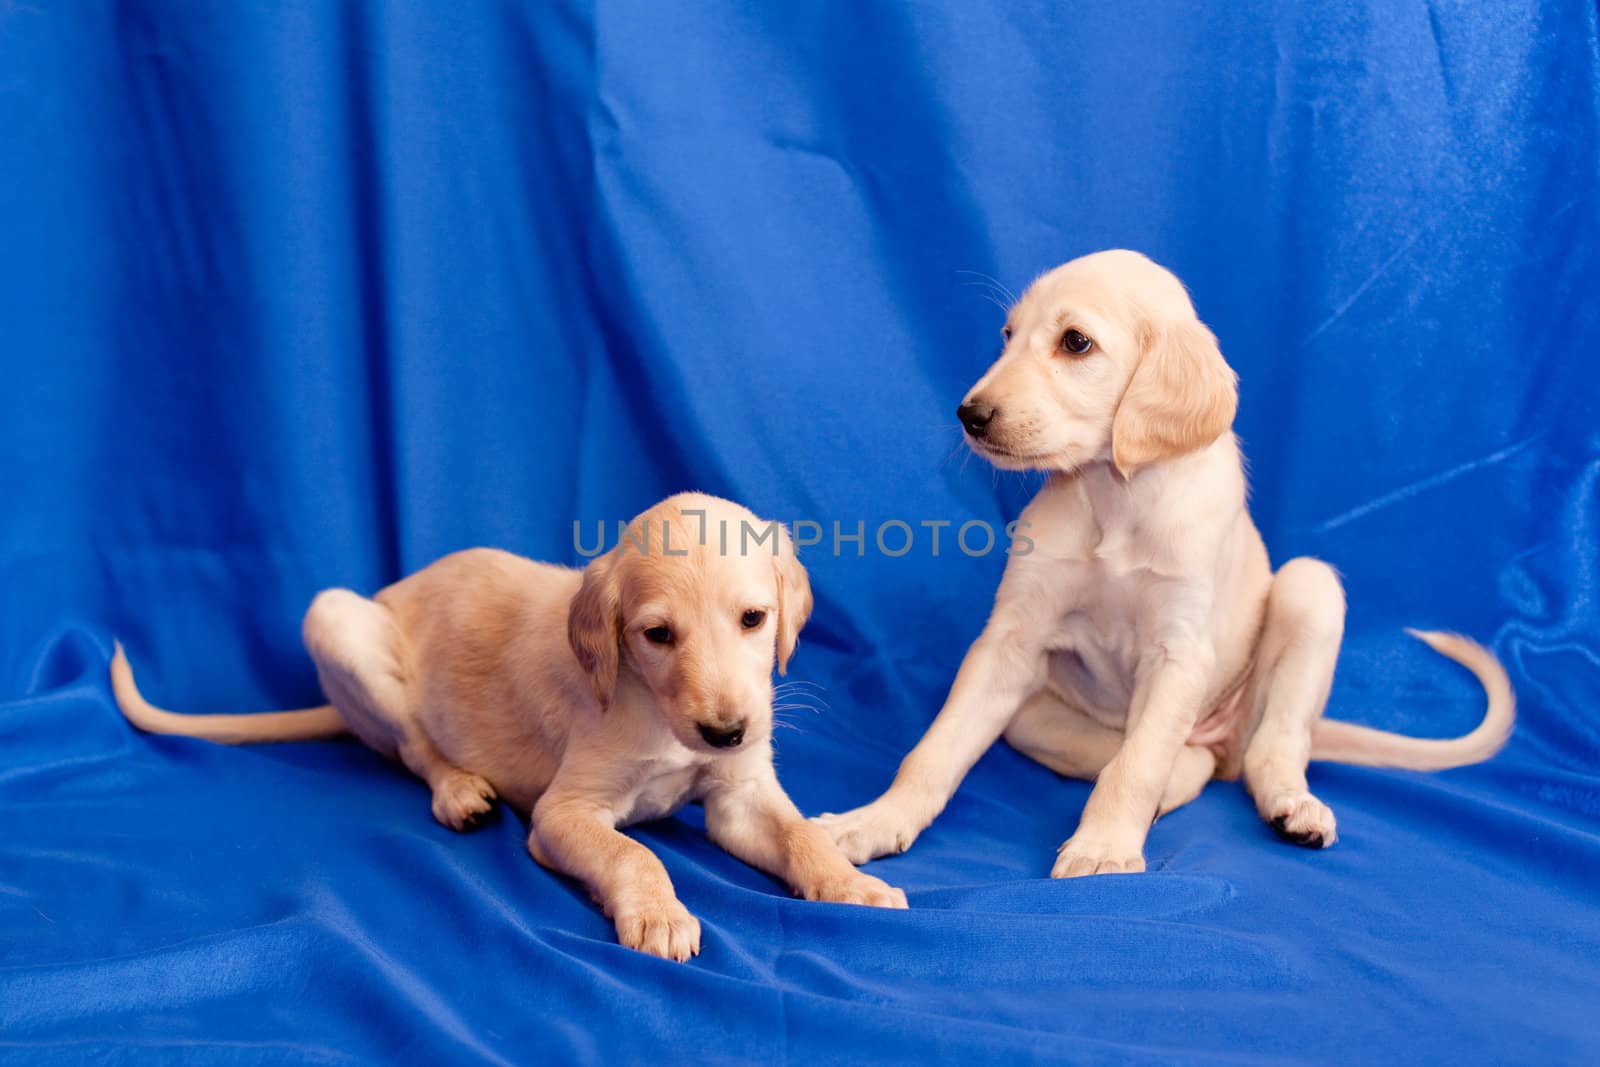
[
  {"x": 462, "y": 800},
  {"x": 1301, "y": 819}
]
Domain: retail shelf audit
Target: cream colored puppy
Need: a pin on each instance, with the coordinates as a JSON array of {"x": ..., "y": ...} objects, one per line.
[
  {"x": 1145, "y": 642},
  {"x": 592, "y": 699}
]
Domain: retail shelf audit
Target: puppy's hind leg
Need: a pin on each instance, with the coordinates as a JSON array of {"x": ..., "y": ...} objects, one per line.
[
  {"x": 461, "y": 799},
  {"x": 1293, "y": 675},
  {"x": 1071, "y": 743},
  {"x": 356, "y": 647}
]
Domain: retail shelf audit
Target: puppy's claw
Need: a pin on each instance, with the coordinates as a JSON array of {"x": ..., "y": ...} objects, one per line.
[
  {"x": 478, "y": 819},
  {"x": 1305, "y": 839},
  {"x": 462, "y": 800}
]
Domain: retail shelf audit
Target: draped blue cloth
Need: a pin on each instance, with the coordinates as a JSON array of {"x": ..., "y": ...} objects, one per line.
[{"x": 302, "y": 294}]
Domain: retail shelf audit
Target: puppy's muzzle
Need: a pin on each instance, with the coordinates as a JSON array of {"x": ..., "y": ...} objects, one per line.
[
  {"x": 975, "y": 417},
  {"x": 718, "y": 737}
]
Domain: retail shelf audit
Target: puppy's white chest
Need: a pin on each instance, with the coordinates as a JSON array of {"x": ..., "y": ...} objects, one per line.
[
  {"x": 658, "y": 790},
  {"x": 1093, "y": 654}
]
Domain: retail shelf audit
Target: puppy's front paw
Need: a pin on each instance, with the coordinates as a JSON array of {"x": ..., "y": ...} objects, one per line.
[
  {"x": 1301, "y": 818},
  {"x": 660, "y": 927},
  {"x": 857, "y": 888},
  {"x": 878, "y": 829},
  {"x": 1080, "y": 856}
]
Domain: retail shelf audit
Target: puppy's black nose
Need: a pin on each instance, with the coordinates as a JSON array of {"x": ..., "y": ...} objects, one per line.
[
  {"x": 975, "y": 416},
  {"x": 716, "y": 738}
]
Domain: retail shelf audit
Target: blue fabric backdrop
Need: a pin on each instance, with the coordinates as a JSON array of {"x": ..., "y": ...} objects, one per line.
[{"x": 298, "y": 294}]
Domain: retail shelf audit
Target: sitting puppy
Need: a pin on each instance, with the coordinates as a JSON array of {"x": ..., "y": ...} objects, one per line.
[
  {"x": 1145, "y": 642},
  {"x": 593, "y": 699}
]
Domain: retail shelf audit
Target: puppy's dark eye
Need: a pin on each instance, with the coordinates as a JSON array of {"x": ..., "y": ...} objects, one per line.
[
  {"x": 1075, "y": 342},
  {"x": 658, "y": 635},
  {"x": 1005, "y": 333},
  {"x": 753, "y": 619}
]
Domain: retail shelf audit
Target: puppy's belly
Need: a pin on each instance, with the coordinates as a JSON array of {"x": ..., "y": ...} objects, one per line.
[
  {"x": 1092, "y": 685},
  {"x": 522, "y": 778},
  {"x": 520, "y": 762}
]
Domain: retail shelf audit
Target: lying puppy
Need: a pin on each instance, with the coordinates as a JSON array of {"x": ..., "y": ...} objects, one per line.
[
  {"x": 1145, "y": 642},
  {"x": 593, "y": 699}
]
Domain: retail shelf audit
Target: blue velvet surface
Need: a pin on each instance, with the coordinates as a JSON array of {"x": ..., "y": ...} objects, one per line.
[{"x": 305, "y": 294}]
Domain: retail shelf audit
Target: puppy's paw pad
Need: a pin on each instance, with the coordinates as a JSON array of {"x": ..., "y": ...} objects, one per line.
[
  {"x": 1078, "y": 859},
  {"x": 867, "y": 833},
  {"x": 663, "y": 928},
  {"x": 1302, "y": 819},
  {"x": 463, "y": 800}
]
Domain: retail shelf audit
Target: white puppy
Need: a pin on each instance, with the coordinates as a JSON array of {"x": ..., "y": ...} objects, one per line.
[
  {"x": 1145, "y": 642},
  {"x": 592, "y": 699}
]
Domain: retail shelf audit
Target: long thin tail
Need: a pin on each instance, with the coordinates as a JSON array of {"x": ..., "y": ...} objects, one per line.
[
  {"x": 306, "y": 724},
  {"x": 1344, "y": 742}
]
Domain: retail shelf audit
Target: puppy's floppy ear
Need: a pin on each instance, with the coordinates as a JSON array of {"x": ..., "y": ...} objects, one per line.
[
  {"x": 794, "y": 597},
  {"x": 1182, "y": 396},
  {"x": 594, "y": 625}
]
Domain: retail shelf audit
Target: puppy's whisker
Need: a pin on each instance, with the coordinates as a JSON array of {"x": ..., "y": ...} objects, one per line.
[
  {"x": 993, "y": 297},
  {"x": 780, "y": 721},
  {"x": 996, "y": 301},
  {"x": 980, "y": 278},
  {"x": 991, "y": 280},
  {"x": 800, "y": 699},
  {"x": 791, "y": 690},
  {"x": 955, "y": 450}
]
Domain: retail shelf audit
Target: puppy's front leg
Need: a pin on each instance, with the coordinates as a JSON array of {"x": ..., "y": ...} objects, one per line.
[
  {"x": 1004, "y": 666},
  {"x": 1116, "y": 820},
  {"x": 754, "y": 819},
  {"x": 579, "y": 838}
]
